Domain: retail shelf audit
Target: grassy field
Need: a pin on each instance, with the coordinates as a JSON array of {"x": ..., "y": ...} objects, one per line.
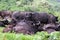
[{"x": 37, "y": 36}]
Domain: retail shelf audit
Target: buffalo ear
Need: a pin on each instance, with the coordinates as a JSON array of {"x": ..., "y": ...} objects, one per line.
[{"x": 56, "y": 18}]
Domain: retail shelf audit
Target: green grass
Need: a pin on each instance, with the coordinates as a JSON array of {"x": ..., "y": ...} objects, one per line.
[
  {"x": 37, "y": 36},
  {"x": 1, "y": 29}
]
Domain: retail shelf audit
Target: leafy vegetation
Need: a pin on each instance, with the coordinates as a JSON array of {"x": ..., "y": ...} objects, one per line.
[
  {"x": 50, "y": 6},
  {"x": 37, "y": 36}
]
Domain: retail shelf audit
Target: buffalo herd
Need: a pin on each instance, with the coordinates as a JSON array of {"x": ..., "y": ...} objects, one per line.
[{"x": 28, "y": 22}]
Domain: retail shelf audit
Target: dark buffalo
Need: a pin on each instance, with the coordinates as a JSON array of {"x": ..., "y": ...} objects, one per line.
[
  {"x": 49, "y": 27},
  {"x": 25, "y": 28}
]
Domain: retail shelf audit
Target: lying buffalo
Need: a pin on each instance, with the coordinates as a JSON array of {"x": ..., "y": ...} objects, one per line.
[
  {"x": 31, "y": 22},
  {"x": 25, "y": 28}
]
